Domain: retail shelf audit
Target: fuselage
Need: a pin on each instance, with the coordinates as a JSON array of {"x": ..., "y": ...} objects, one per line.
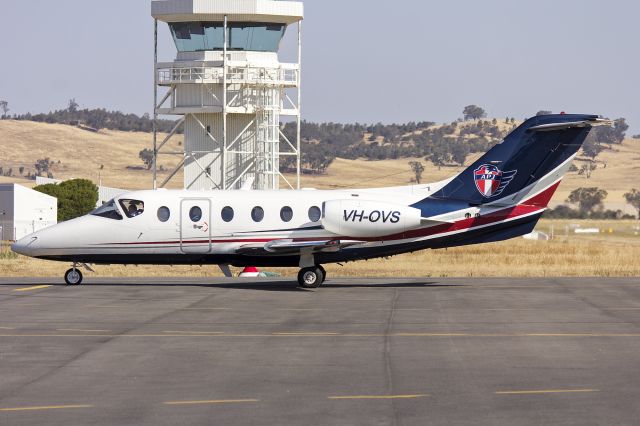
[{"x": 217, "y": 227}]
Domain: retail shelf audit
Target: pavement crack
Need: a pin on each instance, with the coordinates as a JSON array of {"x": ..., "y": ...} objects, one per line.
[
  {"x": 387, "y": 356},
  {"x": 609, "y": 313}
]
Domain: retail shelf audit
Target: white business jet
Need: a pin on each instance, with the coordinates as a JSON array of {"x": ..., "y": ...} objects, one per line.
[{"x": 501, "y": 195}]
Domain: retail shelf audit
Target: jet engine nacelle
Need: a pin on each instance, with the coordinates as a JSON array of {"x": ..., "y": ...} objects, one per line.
[{"x": 363, "y": 218}]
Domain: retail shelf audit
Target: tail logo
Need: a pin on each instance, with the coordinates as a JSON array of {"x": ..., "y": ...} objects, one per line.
[{"x": 491, "y": 181}]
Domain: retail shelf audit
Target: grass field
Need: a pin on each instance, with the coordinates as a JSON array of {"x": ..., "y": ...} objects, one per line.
[{"x": 613, "y": 252}]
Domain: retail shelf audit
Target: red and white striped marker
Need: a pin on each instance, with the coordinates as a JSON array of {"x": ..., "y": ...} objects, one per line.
[{"x": 249, "y": 271}]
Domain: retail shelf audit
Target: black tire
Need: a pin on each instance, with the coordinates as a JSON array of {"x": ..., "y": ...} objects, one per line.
[
  {"x": 73, "y": 277},
  {"x": 310, "y": 277},
  {"x": 324, "y": 273}
]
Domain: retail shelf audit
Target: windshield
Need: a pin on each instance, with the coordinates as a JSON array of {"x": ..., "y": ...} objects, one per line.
[
  {"x": 132, "y": 208},
  {"x": 108, "y": 210}
]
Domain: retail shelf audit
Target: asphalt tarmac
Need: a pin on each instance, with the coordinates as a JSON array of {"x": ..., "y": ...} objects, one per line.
[{"x": 354, "y": 352}]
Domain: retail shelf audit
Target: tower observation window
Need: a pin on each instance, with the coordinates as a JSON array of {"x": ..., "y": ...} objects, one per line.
[{"x": 199, "y": 36}]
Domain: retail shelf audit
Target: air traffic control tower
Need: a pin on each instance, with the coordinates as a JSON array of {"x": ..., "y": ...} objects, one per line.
[{"x": 229, "y": 89}]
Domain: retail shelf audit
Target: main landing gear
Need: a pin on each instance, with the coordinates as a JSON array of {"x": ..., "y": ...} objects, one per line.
[{"x": 312, "y": 277}]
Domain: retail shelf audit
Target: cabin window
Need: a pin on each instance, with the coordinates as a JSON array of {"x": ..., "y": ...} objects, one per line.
[
  {"x": 132, "y": 208},
  {"x": 108, "y": 210},
  {"x": 257, "y": 214},
  {"x": 195, "y": 214},
  {"x": 314, "y": 213},
  {"x": 227, "y": 214},
  {"x": 164, "y": 214},
  {"x": 286, "y": 214}
]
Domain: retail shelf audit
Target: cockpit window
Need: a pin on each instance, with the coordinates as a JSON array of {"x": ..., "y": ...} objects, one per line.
[
  {"x": 108, "y": 210},
  {"x": 132, "y": 208}
]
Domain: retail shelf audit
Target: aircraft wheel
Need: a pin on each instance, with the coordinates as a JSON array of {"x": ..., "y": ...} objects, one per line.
[
  {"x": 324, "y": 273},
  {"x": 73, "y": 276},
  {"x": 310, "y": 277}
]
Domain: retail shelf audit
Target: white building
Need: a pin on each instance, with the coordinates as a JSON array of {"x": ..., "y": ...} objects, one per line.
[
  {"x": 230, "y": 90},
  {"x": 23, "y": 211}
]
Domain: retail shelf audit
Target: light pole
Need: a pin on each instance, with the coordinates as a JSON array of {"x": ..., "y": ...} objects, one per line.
[{"x": 2, "y": 214}]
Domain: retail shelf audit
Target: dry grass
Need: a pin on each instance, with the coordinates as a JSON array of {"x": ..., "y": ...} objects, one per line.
[
  {"x": 81, "y": 153},
  {"x": 605, "y": 254}
]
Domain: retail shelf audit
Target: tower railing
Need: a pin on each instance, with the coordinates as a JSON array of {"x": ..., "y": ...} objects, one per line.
[{"x": 285, "y": 75}]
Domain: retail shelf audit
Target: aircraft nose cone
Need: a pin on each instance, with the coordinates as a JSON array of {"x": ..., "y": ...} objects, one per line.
[{"x": 24, "y": 245}]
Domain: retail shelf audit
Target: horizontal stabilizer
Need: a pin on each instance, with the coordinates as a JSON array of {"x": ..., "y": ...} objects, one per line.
[{"x": 570, "y": 124}]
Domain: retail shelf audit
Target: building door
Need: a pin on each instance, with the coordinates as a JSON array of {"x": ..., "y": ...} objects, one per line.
[{"x": 195, "y": 225}]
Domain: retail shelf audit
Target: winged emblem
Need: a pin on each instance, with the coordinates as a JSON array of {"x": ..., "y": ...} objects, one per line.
[{"x": 491, "y": 181}]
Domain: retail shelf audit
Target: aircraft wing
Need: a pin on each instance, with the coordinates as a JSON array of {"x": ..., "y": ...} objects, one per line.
[{"x": 290, "y": 246}]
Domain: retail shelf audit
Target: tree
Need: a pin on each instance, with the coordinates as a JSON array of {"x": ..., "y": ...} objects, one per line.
[
  {"x": 42, "y": 166},
  {"x": 317, "y": 160},
  {"x": 595, "y": 143},
  {"x": 459, "y": 151},
  {"x": 586, "y": 169},
  {"x": 439, "y": 154},
  {"x": 4, "y": 106},
  {"x": 592, "y": 147},
  {"x": 543, "y": 112},
  {"x": 620, "y": 128},
  {"x": 417, "y": 168},
  {"x": 473, "y": 112},
  {"x": 73, "y": 106},
  {"x": 633, "y": 198},
  {"x": 610, "y": 135},
  {"x": 146, "y": 155},
  {"x": 76, "y": 197},
  {"x": 587, "y": 198}
]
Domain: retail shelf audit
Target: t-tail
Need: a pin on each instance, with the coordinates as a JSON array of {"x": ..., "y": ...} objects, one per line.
[{"x": 525, "y": 168}]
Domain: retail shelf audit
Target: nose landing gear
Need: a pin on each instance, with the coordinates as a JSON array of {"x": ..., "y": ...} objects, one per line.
[
  {"x": 311, "y": 277},
  {"x": 73, "y": 276}
]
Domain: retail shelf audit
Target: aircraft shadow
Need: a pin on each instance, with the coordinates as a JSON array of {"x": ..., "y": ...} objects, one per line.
[{"x": 279, "y": 285}]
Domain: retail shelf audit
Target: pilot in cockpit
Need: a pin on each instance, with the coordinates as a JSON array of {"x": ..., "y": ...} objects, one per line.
[{"x": 133, "y": 210}]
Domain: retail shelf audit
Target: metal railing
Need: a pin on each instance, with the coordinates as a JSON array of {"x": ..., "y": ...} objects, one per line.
[{"x": 285, "y": 75}]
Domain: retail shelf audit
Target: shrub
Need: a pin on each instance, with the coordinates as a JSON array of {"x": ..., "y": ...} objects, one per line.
[{"x": 76, "y": 197}]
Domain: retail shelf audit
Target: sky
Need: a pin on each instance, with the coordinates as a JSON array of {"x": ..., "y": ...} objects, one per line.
[{"x": 364, "y": 61}]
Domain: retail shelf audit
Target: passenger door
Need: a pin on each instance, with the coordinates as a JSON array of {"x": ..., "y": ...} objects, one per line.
[{"x": 195, "y": 225}]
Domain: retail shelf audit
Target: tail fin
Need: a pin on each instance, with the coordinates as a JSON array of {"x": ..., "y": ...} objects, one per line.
[{"x": 533, "y": 156}]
